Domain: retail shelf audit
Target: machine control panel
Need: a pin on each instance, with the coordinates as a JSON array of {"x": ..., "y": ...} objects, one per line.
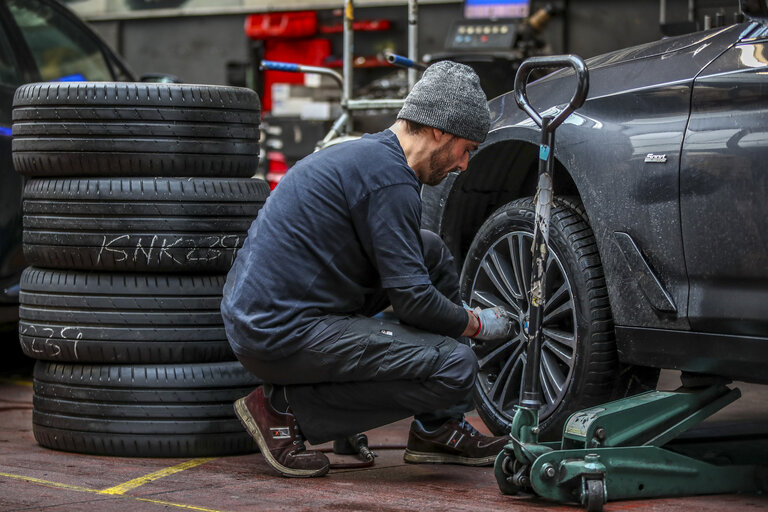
[{"x": 482, "y": 35}]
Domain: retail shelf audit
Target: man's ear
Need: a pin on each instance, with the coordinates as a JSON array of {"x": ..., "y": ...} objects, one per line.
[{"x": 438, "y": 134}]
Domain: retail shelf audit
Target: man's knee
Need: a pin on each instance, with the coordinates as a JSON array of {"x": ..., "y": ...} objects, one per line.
[
  {"x": 441, "y": 265},
  {"x": 436, "y": 253},
  {"x": 458, "y": 372}
]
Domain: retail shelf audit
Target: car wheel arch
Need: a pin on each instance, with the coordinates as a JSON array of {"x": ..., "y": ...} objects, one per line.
[{"x": 498, "y": 173}]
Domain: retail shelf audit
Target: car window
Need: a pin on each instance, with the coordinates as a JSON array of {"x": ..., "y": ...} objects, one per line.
[
  {"x": 9, "y": 72},
  {"x": 62, "y": 50}
]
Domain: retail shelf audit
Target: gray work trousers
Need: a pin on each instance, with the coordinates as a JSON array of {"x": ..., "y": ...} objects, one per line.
[{"x": 360, "y": 373}]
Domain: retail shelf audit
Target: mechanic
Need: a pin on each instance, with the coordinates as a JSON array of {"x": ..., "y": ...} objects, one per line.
[{"x": 336, "y": 243}]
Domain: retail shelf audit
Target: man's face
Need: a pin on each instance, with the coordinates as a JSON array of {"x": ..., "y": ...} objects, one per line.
[{"x": 452, "y": 155}]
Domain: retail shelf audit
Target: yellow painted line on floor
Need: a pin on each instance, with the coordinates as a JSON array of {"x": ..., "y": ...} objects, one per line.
[
  {"x": 57, "y": 485},
  {"x": 17, "y": 382},
  {"x": 178, "y": 505},
  {"x": 138, "y": 482},
  {"x": 47, "y": 483}
]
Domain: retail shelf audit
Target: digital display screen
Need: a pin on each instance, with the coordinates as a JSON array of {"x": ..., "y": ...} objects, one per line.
[{"x": 495, "y": 9}]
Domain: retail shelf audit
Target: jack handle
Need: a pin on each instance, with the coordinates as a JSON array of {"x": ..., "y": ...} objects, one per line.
[
  {"x": 291, "y": 67},
  {"x": 553, "y": 61}
]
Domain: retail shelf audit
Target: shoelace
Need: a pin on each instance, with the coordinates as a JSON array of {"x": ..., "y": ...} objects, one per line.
[
  {"x": 299, "y": 439},
  {"x": 465, "y": 425}
]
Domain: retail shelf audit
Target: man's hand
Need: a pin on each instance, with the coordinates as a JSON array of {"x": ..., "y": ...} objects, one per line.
[{"x": 488, "y": 324}]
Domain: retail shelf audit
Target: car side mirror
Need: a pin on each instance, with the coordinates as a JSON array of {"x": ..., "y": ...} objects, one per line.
[
  {"x": 755, "y": 9},
  {"x": 159, "y": 78}
]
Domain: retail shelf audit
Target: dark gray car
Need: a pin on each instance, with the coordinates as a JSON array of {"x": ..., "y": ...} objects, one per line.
[
  {"x": 40, "y": 40},
  {"x": 660, "y": 236}
]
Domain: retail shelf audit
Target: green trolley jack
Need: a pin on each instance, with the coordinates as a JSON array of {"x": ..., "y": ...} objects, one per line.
[{"x": 631, "y": 448}]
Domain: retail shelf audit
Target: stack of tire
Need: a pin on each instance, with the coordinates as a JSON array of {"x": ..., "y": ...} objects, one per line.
[{"x": 138, "y": 198}]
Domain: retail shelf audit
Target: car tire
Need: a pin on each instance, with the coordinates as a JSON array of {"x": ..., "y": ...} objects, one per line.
[
  {"x": 141, "y": 410},
  {"x": 579, "y": 365},
  {"x": 139, "y": 224},
  {"x": 93, "y": 317},
  {"x": 135, "y": 129}
]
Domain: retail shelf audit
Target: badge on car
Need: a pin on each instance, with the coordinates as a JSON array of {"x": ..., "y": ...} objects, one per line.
[{"x": 655, "y": 159}]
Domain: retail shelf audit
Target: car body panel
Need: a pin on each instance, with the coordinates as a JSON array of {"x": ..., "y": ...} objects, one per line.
[
  {"x": 638, "y": 104},
  {"x": 622, "y": 151},
  {"x": 724, "y": 182}
]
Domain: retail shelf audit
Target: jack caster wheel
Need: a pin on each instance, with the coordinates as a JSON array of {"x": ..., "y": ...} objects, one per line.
[
  {"x": 595, "y": 495},
  {"x": 512, "y": 476}
]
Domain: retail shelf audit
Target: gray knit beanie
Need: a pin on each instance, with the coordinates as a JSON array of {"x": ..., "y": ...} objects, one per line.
[{"x": 448, "y": 97}]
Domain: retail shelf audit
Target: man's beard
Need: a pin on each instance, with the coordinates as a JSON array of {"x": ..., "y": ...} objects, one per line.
[{"x": 439, "y": 162}]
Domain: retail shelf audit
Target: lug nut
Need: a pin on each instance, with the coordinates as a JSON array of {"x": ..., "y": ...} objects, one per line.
[{"x": 548, "y": 471}]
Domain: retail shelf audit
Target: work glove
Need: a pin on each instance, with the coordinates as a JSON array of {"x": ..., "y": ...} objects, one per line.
[{"x": 495, "y": 323}]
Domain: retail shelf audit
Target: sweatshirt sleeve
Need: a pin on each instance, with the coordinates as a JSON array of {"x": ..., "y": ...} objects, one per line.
[{"x": 424, "y": 307}]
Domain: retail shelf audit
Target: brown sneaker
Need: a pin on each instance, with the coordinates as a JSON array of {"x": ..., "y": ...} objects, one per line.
[
  {"x": 279, "y": 437},
  {"x": 456, "y": 442}
]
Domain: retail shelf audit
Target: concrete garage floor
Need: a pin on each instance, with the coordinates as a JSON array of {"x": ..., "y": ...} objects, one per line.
[{"x": 35, "y": 478}]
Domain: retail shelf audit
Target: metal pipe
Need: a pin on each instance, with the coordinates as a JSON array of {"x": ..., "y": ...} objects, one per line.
[
  {"x": 335, "y": 130},
  {"x": 413, "y": 40},
  {"x": 544, "y": 196},
  {"x": 375, "y": 104},
  {"x": 662, "y": 12},
  {"x": 404, "y": 62},
  {"x": 301, "y": 68},
  {"x": 348, "y": 54}
]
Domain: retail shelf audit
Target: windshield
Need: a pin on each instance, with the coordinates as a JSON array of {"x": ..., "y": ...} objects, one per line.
[{"x": 62, "y": 50}]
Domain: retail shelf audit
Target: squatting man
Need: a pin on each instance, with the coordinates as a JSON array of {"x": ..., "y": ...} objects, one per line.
[{"x": 337, "y": 242}]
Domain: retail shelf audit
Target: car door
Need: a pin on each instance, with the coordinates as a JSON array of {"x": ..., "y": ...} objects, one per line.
[{"x": 723, "y": 186}]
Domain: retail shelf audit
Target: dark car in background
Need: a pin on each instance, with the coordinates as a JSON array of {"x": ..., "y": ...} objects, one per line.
[
  {"x": 40, "y": 40},
  {"x": 659, "y": 238}
]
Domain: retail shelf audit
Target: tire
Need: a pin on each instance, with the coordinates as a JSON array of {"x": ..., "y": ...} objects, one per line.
[
  {"x": 579, "y": 365},
  {"x": 91, "y": 317},
  {"x": 141, "y": 411},
  {"x": 139, "y": 224},
  {"x": 135, "y": 129}
]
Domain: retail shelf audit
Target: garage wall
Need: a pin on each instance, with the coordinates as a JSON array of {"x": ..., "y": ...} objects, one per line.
[
  {"x": 193, "y": 48},
  {"x": 197, "y": 48}
]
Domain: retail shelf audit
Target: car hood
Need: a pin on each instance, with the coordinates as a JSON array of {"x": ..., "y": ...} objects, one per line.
[
  {"x": 666, "y": 46},
  {"x": 669, "y": 60}
]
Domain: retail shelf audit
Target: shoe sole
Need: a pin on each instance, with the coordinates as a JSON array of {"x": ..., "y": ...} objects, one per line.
[
  {"x": 413, "y": 457},
  {"x": 249, "y": 423}
]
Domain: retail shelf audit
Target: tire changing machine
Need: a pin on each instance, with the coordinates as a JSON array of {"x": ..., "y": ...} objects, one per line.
[{"x": 627, "y": 449}]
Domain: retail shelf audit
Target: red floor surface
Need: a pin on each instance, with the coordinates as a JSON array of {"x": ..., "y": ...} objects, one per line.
[{"x": 35, "y": 478}]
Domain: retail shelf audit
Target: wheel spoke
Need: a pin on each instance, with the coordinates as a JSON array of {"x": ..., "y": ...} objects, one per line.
[
  {"x": 493, "y": 354},
  {"x": 486, "y": 298},
  {"x": 548, "y": 393},
  {"x": 552, "y": 376},
  {"x": 523, "y": 364},
  {"x": 506, "y": 376},
  {"x": 507, "y": 274},
  {"x": 555, "y": 297},
  {"x": 491, "y": 300},
  {"x": 516, "y": 271},
  {"x": 557, "y": 350},
  {"x": 520, "y": 264},
  {"x": 503, "y": 377},
  {"x": 493, "y": 267},
  {"x": 560, "y": 336},
  {"x": 564, "y": 308},
  {"x": 550, "y": 258}
]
